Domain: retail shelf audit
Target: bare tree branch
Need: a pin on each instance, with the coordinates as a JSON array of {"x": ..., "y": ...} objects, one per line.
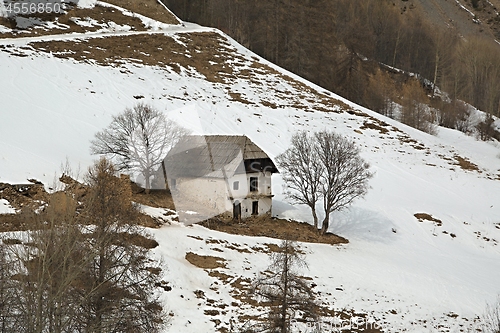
[
  {"x": 326, "y": 167},
  {"x": 301, "y": 172},
  {"x": 138, "y": 140}
]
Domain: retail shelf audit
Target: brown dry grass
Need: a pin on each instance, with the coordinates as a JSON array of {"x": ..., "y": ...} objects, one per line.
[
  {"x": 221, "y": 276},
  {"x": 155, "y": 198},
  {"x": 103, "y": 15},
  {"x": 25, "y": 200},
  {"x": 465, "y": 164},
  {"x": 149, "y": 8},
  {"x": 421, "y": 217},
  {"x": 205, "y": 262},
  {"x": 374, "y": 126},
  {"x": 21, "y": 197},
  {"x": 6, "y": 23},
  {"x": 272, "y": 227},
  {"x": 206, "y": 53},
  {"x": 152, "y": 50},
  {"x": 138, "y": 240},
  {"x": 13, "y": 222}
]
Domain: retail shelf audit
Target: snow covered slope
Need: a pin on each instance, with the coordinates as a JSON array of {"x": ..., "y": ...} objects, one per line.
[{"x": 56, "y": 91}]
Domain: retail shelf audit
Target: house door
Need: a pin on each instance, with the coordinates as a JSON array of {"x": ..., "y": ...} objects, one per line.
[
  {"x": 255, "y": 208},
  {"x": 237, "y": 210}
]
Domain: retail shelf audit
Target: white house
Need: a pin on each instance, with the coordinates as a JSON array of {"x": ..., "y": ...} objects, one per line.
[{"x": 220, "y": 174}]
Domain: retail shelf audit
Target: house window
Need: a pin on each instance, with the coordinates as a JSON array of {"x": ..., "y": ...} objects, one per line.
[
  {"x": 254, "y": 184},
  {"x": 255, "y": 208},
  {"x": 236, "y": 185}
]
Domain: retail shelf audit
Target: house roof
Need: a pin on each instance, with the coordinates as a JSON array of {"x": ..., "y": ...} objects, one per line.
[{"x": 219, "y": 156}]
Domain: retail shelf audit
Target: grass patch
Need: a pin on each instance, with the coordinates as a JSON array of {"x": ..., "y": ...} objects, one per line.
[
  {"x": 205, "y": 262},
  {"x": 369, "y": 125},
  {"x": 64, "y": 22},
  {"x": 421, "y": 217},
  {"x": 465, "y": 164},
  {"x": 150, "y": 8},
  {"x": 272, "y": 227},
  {"x": 138, "y": 240}
]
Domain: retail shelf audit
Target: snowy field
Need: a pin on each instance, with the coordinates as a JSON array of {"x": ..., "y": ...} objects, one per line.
[{"x": 397, "y": 269}]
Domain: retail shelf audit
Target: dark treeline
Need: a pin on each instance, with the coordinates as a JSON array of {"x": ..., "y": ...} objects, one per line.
[{"x": 340, "y": 44}]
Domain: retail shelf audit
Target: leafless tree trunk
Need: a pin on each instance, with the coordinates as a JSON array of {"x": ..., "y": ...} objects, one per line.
[{"x": 345, "y": 177}]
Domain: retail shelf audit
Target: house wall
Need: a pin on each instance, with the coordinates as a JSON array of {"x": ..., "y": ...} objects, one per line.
[
  {"x": 265, "y": 205},
  {"x": 209, "y": 193},
  {"x": 244, "y": 195},
  {"x": 264, "y": 184},
  {"x": 213, "y": 194}
]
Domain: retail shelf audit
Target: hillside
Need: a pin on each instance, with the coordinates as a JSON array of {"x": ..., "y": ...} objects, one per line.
[
  {"x": 376, "y": 53},
  {"x": 468, "y": 17},
  {"x": 401, "y": 269}
]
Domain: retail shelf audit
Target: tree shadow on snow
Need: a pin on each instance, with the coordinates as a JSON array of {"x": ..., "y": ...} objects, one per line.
[{"x": 359, "y": 223}]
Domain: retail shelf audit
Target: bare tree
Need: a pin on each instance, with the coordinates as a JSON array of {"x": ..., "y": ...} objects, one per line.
[
  {"x": 302, "y": 172},
  {"x": 43, "y": 270},
  {"x": 455, "y": 115},
  {"x": 138, "y": 140},
  {"x": 379, "y": 94},
  {"x": 346, "y": 174},
  {"x": 117, "y": 286},
  {"x": 284, "y": 290},
  {"x": 415, "y": 111},
  {"x": 327, "y": 167},
  {"x": 81, "y": 273},
  {"x": 9, "y": 320},
  {"x": 486, "y": 129}
]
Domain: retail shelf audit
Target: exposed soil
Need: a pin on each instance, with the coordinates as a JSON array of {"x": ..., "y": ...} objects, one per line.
[
  {"x": 33, "y": 197},
  {"x": 205, "y": 262},
  {"x": 64, "y": 23},
  {"x": 138, "y": 240},
  {"x": 206, "y": 53},
  {"x": 267, "y": 226},
  {"x": 102, "y": 15},
  {"x": 421, "y": 217},
  {"x": 155, "y": 198},
  {"x": 465, "y": 164}
]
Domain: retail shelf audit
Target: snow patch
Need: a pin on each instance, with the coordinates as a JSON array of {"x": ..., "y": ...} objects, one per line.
[
  {"x": 87, "y": 3},
  {"x": 164, "y": 214},
  {"x": 6, "y": 208}
]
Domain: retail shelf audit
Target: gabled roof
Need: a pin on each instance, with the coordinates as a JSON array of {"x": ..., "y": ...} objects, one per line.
[{"x": 219, "y": 156}]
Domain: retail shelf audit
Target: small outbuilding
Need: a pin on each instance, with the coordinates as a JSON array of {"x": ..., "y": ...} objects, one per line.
[{"x": 220, "y": 174}]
